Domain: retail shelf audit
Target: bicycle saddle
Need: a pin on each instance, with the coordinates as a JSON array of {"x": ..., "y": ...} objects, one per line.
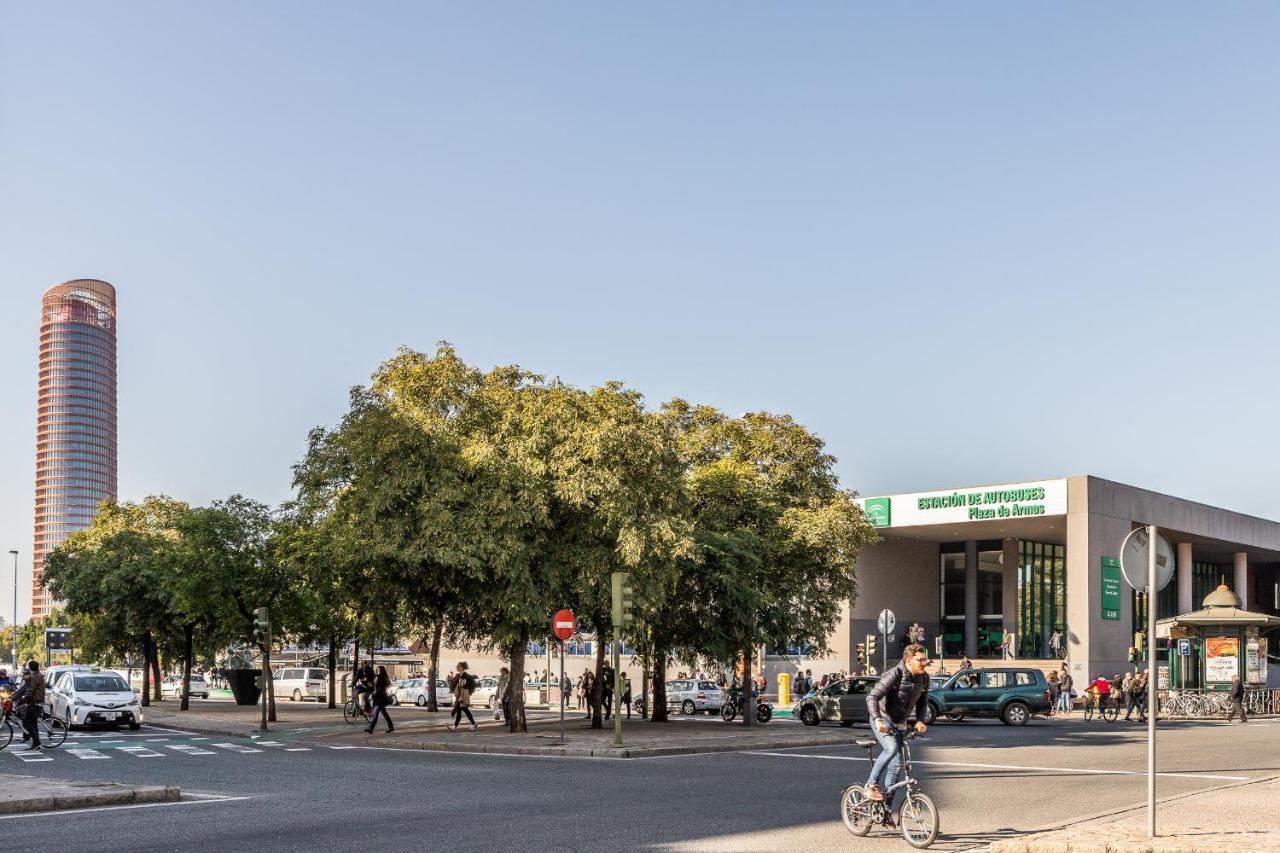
[{"x": 865, "y": 742}]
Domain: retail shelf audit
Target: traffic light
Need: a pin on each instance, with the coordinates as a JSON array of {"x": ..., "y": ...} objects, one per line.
[
  {"x": 261, "y": 626},
  {"x": 623, "y": 599},
  {"x": 862, "y": 653},
  {"x": 871, "y": 646},
  {"x": 1133, "y": 655}
]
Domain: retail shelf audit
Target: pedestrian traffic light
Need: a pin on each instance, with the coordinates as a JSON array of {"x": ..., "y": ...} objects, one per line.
[
  {"x": 623, "y": 599},
  {"x": 262, "y": 626},
  {"x": 871, "y": 646},
  {"x": 862, "y": 653}
]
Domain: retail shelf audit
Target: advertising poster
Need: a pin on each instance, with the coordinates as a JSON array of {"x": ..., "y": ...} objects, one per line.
[
  {"x": 1251, "y": 674},
  {"x": 1221, "y": 659}
]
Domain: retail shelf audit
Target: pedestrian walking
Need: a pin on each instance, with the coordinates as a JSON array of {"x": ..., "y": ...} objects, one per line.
[
  {"x": 626, "y": 694},
  {"x": 33, "y": 696},
  {"x": 1130, "y": 694},
  {"x": 1055, "y": 643},
  {"x": 1236, "y": 695},
  {"x": 588, "y": 689},
  {"x": 1006, "y": 644},
  {"x": 381, "y": 699},
  {"x": 606, "y": 690},
  {"x": 965, "y": 663},
  {"x": 1054, "y": 689},
  {"x": 502, "y": 694},
  {"x": 462, "y": 683}
]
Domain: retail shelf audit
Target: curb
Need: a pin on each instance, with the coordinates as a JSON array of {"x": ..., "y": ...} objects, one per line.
[
  {"x": 78, "y": 800},
  {"x": 609, "y": 751}
]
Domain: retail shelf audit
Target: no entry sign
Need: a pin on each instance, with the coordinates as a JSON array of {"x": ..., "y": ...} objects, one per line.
[{"x": 563, "y": 625}]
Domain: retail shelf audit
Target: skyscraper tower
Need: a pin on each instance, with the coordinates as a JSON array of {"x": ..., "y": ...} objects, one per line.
[{"x": 76, "y": 417}]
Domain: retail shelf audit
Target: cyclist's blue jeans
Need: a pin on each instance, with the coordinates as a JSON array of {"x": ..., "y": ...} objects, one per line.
[
  {"x": 1064, "y": 701},
  {"x": 887, "y": 765}
]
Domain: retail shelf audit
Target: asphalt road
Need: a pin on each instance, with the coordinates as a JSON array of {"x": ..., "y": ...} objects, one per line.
[{"x": 987, "y": 779}]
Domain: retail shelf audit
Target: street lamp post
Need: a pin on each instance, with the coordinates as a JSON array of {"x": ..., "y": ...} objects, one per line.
[{"x": 13, "y": 628}]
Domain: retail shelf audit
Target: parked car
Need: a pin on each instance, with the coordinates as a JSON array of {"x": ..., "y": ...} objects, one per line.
[
  {"x": 843, "y": 702},
  {"x": 1013, "y": 694},
  {"x": 297, "y": 683},
  {"x": 51, "y": 675},
  {"x": 414, "y": 691},
  {"x": 172, "y": 686},
  {"x": 90, "y": 696},
  {"x": 485, "y": 692},
  {"x": 691, "y": 695}
]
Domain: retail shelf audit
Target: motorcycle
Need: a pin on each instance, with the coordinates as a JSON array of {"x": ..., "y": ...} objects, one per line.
[{"x": 733, "y": 707}]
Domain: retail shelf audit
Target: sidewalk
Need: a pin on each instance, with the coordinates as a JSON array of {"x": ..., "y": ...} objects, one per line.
[
  {"x": 26, "y": 794},
  {"x": 1230, "y": 819},
  {"x": 417, "y": 729}
]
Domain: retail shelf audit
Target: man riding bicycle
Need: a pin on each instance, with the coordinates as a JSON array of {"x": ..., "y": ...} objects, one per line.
[{"x": 900, "y": 692}]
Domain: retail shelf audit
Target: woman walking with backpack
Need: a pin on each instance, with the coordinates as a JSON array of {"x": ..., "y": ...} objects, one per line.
[
  {"x": 381, "y": 684},
  {"x": 462, "y": 684}
]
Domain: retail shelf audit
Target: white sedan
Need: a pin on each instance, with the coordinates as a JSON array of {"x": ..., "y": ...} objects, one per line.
[
  {"x": 414, "y": 691},
  {"x": 94, "y": 698}
]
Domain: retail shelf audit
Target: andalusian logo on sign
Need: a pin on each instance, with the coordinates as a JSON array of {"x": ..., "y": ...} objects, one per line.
[{"x": 877, "y": 510}]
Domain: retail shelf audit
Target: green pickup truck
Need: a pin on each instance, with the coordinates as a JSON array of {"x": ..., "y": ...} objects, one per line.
[{"x": 1013, "y": 694}]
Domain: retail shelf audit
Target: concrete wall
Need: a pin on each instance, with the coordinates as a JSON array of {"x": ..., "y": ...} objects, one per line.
[{"x": 902, "y": 575}]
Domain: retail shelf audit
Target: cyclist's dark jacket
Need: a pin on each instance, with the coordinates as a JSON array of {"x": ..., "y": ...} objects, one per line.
[{"x": 897, "y": 694}]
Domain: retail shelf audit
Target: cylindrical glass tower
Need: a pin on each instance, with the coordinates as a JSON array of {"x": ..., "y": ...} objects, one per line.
[{"x": 76, "y": 417}]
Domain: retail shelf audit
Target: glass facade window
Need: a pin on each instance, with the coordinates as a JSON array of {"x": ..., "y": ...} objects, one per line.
[
  {"x": 952, "y": 598},
  {"x": 1205, "y": 578},
  {"x": 1042, "y": 597},
  {"x": 990, "y": 598}
]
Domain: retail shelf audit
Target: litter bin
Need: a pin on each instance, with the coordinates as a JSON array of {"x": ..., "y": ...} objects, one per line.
[
  {"x": 784, "y": 689},
  {"x": 244, "y": 685}
]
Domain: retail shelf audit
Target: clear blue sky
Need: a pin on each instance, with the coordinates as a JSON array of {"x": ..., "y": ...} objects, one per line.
[{"x": 965, "y": 243}]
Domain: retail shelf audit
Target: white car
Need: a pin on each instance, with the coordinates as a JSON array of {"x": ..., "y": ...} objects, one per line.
[
  {"x": 95, "y": 697},
  {"x": 485, "y": 692},
  {"x": 414, "y": 691},
  {"x": 692, "y": 695},
  {"x": 297, "y": 683},
  {"x": 172, "y": 686}
]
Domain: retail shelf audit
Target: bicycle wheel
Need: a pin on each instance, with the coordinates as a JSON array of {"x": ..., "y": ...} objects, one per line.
[
  {"x": 6, "y": 734},
  {"x": 1088, "y": 711},
  {"x": 855, "y": 808},
  {"x": 918, "y": 818},
  {"x": 53, "y": 731},
  {"x": 728, "y": 712},
  {"x": 1110, "y": 711},
  {"x": 350, "y": 713}
]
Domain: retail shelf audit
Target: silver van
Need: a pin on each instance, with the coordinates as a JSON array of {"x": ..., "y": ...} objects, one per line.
[{"x": 297, "y": 683}]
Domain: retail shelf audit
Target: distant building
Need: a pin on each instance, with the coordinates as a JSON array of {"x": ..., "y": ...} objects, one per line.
[{"x": 75, "y": 417}]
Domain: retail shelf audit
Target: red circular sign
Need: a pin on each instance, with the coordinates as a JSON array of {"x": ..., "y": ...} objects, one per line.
[{"x": 563, "y": 625}]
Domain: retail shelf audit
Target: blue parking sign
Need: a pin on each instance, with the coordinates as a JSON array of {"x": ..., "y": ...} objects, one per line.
[{"x": 1184, "y": 647}]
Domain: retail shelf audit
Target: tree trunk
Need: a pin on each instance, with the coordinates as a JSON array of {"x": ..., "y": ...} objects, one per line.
[
  {"x": 748, "y": 703},
  {"x": 597, "y": 686},
  {"x": 156, "y": 678},
  {"x": 516, "y": 721},
  {"x": 433, "y": 669},
  {"x": 188, "y": 635},
  {"x": 333, "y": 672},
  {"x": 146, "y": 670},
  {"x": 658, "y": 702}
]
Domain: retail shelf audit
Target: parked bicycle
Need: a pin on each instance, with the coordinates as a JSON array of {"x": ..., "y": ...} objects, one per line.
[
  {"x": 917, "y": 816},
  {"x": 733, "y": 707}
]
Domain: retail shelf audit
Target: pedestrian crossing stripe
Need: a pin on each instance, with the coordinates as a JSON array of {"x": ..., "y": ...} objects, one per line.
[
  {"x": 141, "y": 752},
  {"x": 189, "y": 750},
  {"x": 82, "y": 752},
  {"x": 235, "y": 747},
  {"x": 34, "y": 755}
]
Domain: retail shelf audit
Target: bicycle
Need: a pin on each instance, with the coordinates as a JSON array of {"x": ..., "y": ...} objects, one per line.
[
  {"x": 53, "y": 732},
  {"x": 733, "y": 707},
  {"x": 354, "y": 710},
  {"x": 917, "y": 816},
  {"x": 1109, "y": 710}
]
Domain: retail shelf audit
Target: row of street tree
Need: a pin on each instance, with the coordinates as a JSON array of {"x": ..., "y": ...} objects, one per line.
[{"x": 458, "y": 505}]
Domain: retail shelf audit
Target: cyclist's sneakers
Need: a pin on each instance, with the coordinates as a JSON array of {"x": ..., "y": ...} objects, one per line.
[
  {"x": 874, "y": 793},
  {"x": 889, "y": 822}
]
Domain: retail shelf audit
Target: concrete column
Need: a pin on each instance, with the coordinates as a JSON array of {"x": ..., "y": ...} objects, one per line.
[
  {"x": 1241, "y": 585},
  {"x": 971, "y": 598},
  {"x": 1009, "y": 593},
  {"x": 1185, "y": 559}
]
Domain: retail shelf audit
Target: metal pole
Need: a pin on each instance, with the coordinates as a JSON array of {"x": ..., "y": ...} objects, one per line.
[
  {"x": 1152, "y": 679},
  {"x": 617, "y": 686},
  {"x": 14, "y": 626},
  {"x": 562, "y": 698}
]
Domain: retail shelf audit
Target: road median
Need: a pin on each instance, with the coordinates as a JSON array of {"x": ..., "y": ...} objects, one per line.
[{"x": 30, "y": 794}]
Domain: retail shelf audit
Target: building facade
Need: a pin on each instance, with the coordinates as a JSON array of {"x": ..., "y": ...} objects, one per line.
[
  {"x": 75, "y": 417},
  {"x": 1038, "y": 563}
]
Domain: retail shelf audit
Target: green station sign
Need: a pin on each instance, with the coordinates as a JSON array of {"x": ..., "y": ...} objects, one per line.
[
  {"x": 1111, "y": 579},
  {"x": 878, "y": 512}
]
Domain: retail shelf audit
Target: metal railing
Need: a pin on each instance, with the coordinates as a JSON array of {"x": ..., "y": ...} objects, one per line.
[{"x": 1207, "y": 704}]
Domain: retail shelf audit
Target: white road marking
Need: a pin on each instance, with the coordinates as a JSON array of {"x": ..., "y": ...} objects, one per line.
[
  {"x": 34, "y": 755},
  {"x": 86, "y": 753},
  {"x": 192, "y": 802},
  {"x": 297, "y": 749},
  {"x": 235, "y": 747},
  {"x": 1082, "y": 771},
  {"x": 189, "y": 750},
  {"x": 157, "y": 739},
  {"x": 140, "y": 752}
]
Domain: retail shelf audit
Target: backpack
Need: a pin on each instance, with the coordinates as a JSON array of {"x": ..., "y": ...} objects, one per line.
[{"x": 469, "y": 681}]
